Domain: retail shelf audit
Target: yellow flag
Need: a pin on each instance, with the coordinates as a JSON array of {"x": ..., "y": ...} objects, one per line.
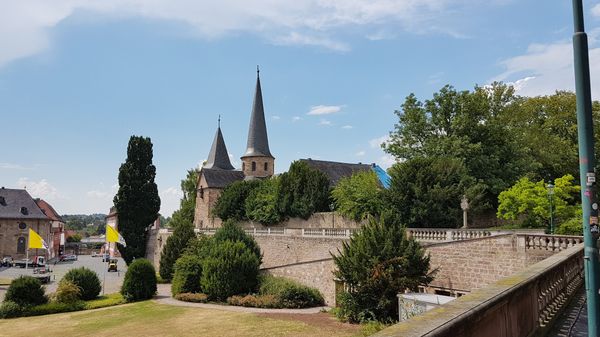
[
  {"x": 36, "y": 241},
  {"x": 113, "y": 236}
]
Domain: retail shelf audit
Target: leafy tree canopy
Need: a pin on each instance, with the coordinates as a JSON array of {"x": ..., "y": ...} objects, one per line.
[
  {"x": 531, "y": 202},
  {"x": 303, "y": 191},
  {"x": 232, "y": 201},
  {"x": 358, "y": 196},
  {"x": 261, "y": 203}
]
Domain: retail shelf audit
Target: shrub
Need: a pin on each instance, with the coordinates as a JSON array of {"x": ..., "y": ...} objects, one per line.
[
  {"x": 140, "y": 281},
  {"x": 25, "y": 291},
  {"x": 261, "y": 203},
  {"x": 67, "y": 292},
  {"x": 188, "y": 270},
  {"x": 290, "y": 294},
  {"x": 255, "y": 301},
  {"x": 573, "y": 226},
  {"x": 230, "y": 269},
  {"x": 10, "y": 309},
  {"x": 302, "y": 191},
  {"x": 192, "y": 297},
  {"x": 378, "y": 263},
  {"x": 53, "y": 308},
  {"x": 231, "y": 231},
  {"x": 105, "y": 301},
  {"x": 86, "y": 280}
]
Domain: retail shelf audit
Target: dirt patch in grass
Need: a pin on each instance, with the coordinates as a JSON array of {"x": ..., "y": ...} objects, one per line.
[{"x": 319, "y": 320}]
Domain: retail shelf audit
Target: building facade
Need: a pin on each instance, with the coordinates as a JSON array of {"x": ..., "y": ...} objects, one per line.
[
  {"x": 18, "y": 213},
  {"x": 57, "y": 227}
]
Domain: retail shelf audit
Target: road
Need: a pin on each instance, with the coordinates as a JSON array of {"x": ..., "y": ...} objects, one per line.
[{"x": 112, "y": 281}]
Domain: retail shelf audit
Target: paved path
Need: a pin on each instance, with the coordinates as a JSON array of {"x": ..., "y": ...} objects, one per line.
[
  {"x": 573, "y": 321},
  {"x": 164, "y": 297}
]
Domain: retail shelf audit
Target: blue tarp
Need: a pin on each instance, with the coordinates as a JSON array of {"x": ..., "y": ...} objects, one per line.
[{"x": 384, "y": 178}]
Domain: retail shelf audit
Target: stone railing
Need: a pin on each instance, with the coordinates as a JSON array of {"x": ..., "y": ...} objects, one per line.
[
  {"x": 328, "y": 232},
  {"x": 549, "y": 242},
  {"x": 523, "y": 304},
  {"x": 448, "y": 234},
  {"x": 343, "y": 233}
]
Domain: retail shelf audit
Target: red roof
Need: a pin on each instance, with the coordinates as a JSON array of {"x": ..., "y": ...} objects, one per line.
[{"x": 48, "y": 210}]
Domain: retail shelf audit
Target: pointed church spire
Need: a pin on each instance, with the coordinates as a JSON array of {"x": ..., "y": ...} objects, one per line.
[
  {"x": 218, "y": 158},
  {"x": 258, "y": 142}
]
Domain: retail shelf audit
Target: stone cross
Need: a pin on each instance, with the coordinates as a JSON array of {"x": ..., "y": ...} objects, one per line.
[{"x": 464, "y": 204}]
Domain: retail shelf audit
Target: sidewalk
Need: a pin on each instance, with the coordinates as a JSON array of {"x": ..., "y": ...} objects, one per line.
[{"x": 164, "y": 297}]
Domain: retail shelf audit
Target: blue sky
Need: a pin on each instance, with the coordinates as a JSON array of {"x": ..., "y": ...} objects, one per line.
[{"x": 78, "y": 78}]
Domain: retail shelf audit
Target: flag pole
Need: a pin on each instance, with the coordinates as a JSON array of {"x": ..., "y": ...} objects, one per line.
[{"x": 27, "y": 251}]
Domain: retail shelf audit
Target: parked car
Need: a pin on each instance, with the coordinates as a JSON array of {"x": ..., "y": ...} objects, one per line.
[
  {"x": 6, "y": 261},
  {"x": 69, "y": 257},
  {"x": 37, "y": 261}
]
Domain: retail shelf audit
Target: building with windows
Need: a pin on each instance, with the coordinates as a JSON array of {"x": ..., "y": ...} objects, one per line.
[
  {"x": 57, "y": 228},
  {"x": 18, "y": 213}
]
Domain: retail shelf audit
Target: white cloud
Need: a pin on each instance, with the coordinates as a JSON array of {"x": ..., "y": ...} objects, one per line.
[
  {"x": 296, "y": 118},
  {"x": 376, "y": 142},
  {"x": 98, "y": 194},
  {"x": 360, "y": 153},
  {"x": 386, "y": 161},
  {"x": 545, "y": 68},
  {"x": 325, "y": 122},
  {"x": 169, "y": 200},
  {"x": 347, "y": 127},
  {"x": 300, "y": 22},
  {"x": 276, "y": 118},
  {"x": 596, "y": 10},
  {"x": 40, "y": 189},
  {"x": 11, "y": 166},
  {"x": 324, "y": 109}
]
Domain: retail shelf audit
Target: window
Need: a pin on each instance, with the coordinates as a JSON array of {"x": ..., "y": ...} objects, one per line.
[
  {"x": 21, "y": 245},
  {"x": 2, "y": 201},
  {"x": 266, "y": 166},
  {"x": 243, "y": 166},
  {"x": 24, "y": 211},
  {"x": 253, "y": 166},
  {"x": 201, "y": 192},
  {"x": 22, "y": 226}
]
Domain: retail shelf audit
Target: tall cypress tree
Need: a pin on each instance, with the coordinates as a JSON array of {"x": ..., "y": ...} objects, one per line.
[{"x": 137, "y": 200}]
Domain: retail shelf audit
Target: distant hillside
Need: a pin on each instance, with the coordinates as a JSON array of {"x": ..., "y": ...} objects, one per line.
[{"x": 81, "y": 221}]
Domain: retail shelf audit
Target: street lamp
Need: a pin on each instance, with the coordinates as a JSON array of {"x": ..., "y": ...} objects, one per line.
[{"x": 550, "y": 194}]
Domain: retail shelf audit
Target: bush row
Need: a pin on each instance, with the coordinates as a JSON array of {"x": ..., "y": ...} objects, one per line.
[{"x": 192, "y": 297}]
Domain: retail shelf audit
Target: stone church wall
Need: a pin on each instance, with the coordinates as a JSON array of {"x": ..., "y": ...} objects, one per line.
[{"x": 317, "y": 220}]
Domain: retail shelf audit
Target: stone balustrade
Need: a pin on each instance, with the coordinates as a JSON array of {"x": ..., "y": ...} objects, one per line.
[
  {"x": 549, "y": 242},
  {"x": 523, "y": 304},
  {"x": 448, "y": 234}
]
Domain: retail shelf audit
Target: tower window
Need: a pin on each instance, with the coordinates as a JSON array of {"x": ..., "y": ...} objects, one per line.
[
  {"x": 266, "y": 166},
  {"x": 243, "y": 167},
  {"x": 2, "y": 201},
  {"x": 253, "y": 166},
  {"x": 201, "y": 192}
]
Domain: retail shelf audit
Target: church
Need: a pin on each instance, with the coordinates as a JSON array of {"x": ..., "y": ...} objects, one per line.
[{"x": 257, "y": 163}]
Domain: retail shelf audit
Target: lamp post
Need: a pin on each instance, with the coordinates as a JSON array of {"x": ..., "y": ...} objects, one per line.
[
  {"x": 550, "y": 194},
  {"x": 587, "y": 176}
]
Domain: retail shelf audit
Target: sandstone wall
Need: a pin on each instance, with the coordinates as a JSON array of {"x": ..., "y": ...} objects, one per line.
[{"x": 317, "y": 220}]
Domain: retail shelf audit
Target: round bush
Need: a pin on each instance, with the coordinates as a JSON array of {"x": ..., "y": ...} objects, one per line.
[
  {"x": 25, "y": 291},
  {"x": 140, "y": 281},
  {"x": 291, "y": 294},
  {"x": 230, "y": 269},
  {"x": 188, "y": 270},
  {"x": 87, "y": 280},
  {"x": 67, "y": 292}
]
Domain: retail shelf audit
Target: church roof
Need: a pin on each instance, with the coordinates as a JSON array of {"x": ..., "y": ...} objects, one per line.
[
  {"x": 48, "y": 210},
  {"x": 258, "y": 142},
  {"x": 336, "y": 170},
  {"x": 18, "y": 204},
  {"x": 220, "y": 178},
  {"x": 218, "y": 158}
]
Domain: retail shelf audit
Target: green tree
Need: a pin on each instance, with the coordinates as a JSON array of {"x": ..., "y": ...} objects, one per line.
[
  {"x": 358, "y": 196},
  {"x": 302, "y": 191},
  {"x": 426, "y": 192},
  {"x": 182, "y": 222},
  {"x": 469, "y": 126},
  {"x": 232, "y": 201},
  {"x": 378, "y": 263},
  {"x": 231, "y": 231},
  {"x": 529, "y": 202},
  {"x": 137, "y": 200},
  {"x": 261, "y": 203}
]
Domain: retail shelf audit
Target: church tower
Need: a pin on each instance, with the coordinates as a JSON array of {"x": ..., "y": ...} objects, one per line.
[
  {"x": 258, "y": 162},
  {"x": 218, "y": 157}
]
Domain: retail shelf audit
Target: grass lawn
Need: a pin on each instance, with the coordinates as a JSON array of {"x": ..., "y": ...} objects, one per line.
[{"x": 152, "y": 319}]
